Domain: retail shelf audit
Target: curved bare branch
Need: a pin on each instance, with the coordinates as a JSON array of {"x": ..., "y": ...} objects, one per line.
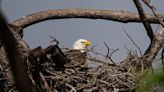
[{"x": 119, "y": 16}]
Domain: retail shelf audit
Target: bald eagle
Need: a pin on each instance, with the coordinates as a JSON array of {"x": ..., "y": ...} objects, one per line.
[{"x": 77, "y": 54}]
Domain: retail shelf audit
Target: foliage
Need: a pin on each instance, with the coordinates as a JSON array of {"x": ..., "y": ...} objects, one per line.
[{"x": 151, "y": 81}]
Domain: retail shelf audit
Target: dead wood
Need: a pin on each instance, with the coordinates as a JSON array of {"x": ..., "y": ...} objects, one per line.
[
  {"x": 105, "y": 77},
  {"x": 15, "y": 56},
  {"x": 152, "y": 7},
  {"x": 144, "y": 19},
  {"x": 119, "y": 16},
  {"x": 156, "y": 39}
]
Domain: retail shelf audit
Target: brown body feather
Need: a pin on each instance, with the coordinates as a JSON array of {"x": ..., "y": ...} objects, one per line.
[{"x": 77, "y": 58}]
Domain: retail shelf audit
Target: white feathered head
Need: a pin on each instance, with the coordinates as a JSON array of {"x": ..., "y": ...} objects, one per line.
[{"x": 81, "y": 45}]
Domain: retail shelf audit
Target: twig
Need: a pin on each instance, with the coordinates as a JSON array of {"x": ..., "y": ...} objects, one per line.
[
  {"x": 54, "y": 74},
  {"x": 115, "y": 50},
  {"x": 96, "y": 53},
  {"x": 105, "y": 82},
  {"x": 152, "y": 7},
  {"x": 88, "y": 85},
  {"x": 95, "y": 60},
  {"x": 47, "y": 88},
  {"x": 157, "y": 28},
  {"x": 107, "y": 56},
  {"x": 92, "y": 48},
  {"x": 72, "y": 88},
  {"x": 12, "y": 89},
  {"x": 54, "y": 40},
  {"x": 144, "y": 19},
  {"x": 133, "y": 41}
]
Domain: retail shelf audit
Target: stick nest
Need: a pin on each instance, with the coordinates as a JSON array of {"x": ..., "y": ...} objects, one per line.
[{"x": 102, "y": 78}]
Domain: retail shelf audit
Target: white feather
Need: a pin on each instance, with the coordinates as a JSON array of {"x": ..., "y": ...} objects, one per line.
[{"x": 80, "y": 45}]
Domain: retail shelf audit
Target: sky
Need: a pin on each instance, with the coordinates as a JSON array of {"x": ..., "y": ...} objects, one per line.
[{"x": 66, "y": 31}]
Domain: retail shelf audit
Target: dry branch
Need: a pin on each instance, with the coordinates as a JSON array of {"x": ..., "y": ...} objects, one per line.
[
  {"x": 133, "y": 41},
  {"x": 156, "y": 45},
  {"x": 107, "y": 56},
  {"x": 152, "y": 7},
  {"x": 156, "y": 39},
  {"x": 119, "y": 16},
  {"x": 143, "y": 17},
  {"x": 14, "y": 54}
]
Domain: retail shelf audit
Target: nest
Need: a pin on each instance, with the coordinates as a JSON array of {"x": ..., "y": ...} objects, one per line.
[
  {"x": 48, "y": 77},
  {"x": 98, "y": 79}
]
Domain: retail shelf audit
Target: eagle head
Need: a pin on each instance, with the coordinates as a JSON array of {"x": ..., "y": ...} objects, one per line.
[{"x": 81, "y": 45}]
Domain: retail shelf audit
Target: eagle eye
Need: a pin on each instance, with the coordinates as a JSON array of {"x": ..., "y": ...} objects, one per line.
[{"x": 82, "y": 42}]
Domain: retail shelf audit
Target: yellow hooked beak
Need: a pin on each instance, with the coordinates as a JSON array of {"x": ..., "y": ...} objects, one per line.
[{"x": 87, "y": 43}]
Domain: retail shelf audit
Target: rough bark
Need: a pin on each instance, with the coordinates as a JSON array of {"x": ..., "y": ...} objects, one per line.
[
  {"x": 156, "y": 45},
  {"x": 15, "y": 53},
  {"x": 156, "y": 39},
  {"x": 119, "y": 16}
]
